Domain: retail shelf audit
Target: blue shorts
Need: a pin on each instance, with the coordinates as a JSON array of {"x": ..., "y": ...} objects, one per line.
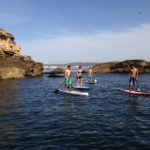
[{"x": 133, "y": 81}]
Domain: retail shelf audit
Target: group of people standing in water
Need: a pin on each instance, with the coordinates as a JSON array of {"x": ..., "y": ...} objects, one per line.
[
  {"x": 79, "y": 78},
  {"x": 133, "y": 77}
]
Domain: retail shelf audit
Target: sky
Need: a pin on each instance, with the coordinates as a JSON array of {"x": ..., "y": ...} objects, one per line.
[{"x": 65, "y": 31}]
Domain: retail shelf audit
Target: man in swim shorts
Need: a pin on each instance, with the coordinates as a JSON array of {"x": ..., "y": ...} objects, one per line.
[
  {"x": 90, "y": 74},
  {"x": 68, "y": 80},
  {"x": 133, "y": 75}
]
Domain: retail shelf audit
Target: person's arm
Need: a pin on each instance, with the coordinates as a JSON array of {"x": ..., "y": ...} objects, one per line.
[{"x": 65, "y": 74}]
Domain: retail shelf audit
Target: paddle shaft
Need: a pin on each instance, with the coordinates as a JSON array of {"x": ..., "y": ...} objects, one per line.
[{"x": 59, "y": 87}]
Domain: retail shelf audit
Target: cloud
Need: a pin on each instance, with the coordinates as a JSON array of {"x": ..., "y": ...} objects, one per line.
[{"x": 96, "y": 47}]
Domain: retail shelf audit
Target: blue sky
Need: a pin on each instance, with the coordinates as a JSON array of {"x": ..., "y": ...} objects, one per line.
[{"x": 62, "y": 31}]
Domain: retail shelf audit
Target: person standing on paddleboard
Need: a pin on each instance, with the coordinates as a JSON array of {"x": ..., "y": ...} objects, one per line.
[
  {"x": 90, "y": 74},
  {"x": 79, "y": 76},
  {"x": 133, "y": 76},
  {"x": 68, "y": 80}
]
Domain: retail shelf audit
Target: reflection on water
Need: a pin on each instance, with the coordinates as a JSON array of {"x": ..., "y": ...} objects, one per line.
[
  {"x": 9, "y": 95},
  {"x": 133, "y": 103},
  {"x": 67, "y": 103},
  {"x": 9, "y": 91}
]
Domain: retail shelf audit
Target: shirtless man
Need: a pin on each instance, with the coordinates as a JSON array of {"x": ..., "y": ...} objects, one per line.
[
  {"x": 90, "y": 74},
  {"x": 79, "y": 76},
  {"x": 67, "y": 75},
  {"x": 133, "y": 75}
]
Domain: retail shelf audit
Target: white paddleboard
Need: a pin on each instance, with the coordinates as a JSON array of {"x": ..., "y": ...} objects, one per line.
[
  {"x": 92, "y": 82},
  {"x": 74, "y": 92},
  {"x": 81, "y": 87}
]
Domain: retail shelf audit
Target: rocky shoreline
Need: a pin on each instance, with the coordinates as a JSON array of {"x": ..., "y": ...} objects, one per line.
[
  {"x": 111, "y": 67},
  {"x": 12, "y": 64},
  {"x": 122, "y": 67}
]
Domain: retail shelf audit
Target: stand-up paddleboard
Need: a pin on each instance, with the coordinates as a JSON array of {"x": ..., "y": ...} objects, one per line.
[
  {"x": 83, "y": 87},
  {"x": 91, "y": 82},
  {"x": 135, "y": 92},
  {"x": 74, "y": 92}
]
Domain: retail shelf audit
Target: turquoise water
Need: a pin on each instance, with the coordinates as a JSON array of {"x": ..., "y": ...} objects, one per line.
[{"x": 32, "y": 116}]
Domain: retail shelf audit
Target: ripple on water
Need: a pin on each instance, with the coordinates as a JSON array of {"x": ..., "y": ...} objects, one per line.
[{"x": 32, "y": 116}]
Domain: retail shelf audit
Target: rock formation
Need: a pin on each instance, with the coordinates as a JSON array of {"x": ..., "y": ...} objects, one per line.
[
  {"x": 122, "y": 67},
  {"x": 12, "y": 64},
  {"x": 57, "y": 71}
]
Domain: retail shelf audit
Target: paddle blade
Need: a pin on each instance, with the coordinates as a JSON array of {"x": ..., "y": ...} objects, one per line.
[{"x": 56, "y": 91}]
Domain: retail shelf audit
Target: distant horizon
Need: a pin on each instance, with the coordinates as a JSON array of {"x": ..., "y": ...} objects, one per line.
[{"x": 92, "y": 62}]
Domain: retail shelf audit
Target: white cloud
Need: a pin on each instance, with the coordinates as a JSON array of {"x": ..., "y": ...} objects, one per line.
[{"x": 134, "y": 43}]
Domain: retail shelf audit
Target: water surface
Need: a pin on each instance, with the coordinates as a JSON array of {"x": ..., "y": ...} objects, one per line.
[{"x": 32, "y": 116}]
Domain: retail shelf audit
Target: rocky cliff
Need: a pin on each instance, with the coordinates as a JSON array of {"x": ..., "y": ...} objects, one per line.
[
  {"x": 12, "y": 64},
  {"x": 122, "y": 67}
]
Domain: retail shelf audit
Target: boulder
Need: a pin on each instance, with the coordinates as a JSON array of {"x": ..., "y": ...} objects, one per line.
[
  {"x": 122, "y": 67},
  {"x": 8, "y": 46},
  {"x": 57, "y": 71}
]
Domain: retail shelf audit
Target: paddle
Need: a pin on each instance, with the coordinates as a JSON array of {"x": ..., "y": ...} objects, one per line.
[{"x": 56, "y": 91}]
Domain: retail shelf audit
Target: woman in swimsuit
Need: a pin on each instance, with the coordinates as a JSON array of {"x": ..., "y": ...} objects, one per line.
[{"x": 79, "y": 76}]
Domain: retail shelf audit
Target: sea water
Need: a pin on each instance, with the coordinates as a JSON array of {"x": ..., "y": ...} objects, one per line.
[{"x": 32, "y": 116}]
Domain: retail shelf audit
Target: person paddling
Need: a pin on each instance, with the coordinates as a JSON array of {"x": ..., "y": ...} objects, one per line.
[
  {"x": 133, "y": 76},
  {"x": 90, "y": 74},
  {"x": 79, "y": 76},
  {"x": 68, "y": 80}
]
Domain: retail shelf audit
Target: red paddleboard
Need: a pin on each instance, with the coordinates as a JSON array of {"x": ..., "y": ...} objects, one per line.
[{"x": 135, "y": 92}]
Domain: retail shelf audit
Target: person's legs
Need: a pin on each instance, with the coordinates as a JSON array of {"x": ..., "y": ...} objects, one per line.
[
  {"x": 77, "y": 81},
  {"x": 66, "y": 84},
  {"x": 89, "y": 79},
  {"x": 134, "y": 84},
  {"x": 70, "y": 84},
  {"x": 130, "y": 84},
  {"x": 81, "y": 81}
]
